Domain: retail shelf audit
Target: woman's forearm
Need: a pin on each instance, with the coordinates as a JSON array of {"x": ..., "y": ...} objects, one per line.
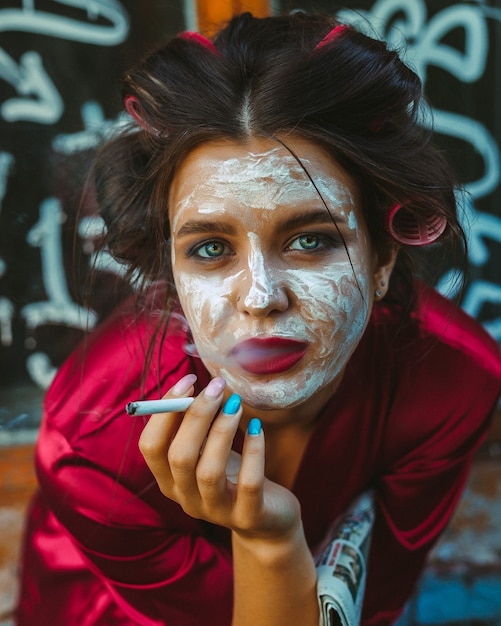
[{"x": 274, "y": 582}]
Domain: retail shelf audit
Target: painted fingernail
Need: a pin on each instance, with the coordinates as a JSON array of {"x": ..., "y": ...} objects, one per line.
[
  {"x": 232, "y": 404},
  {"x": 215, "y": 388},
  {"x": 254, "y": 427},
  {"x": 184, "y": 384}
]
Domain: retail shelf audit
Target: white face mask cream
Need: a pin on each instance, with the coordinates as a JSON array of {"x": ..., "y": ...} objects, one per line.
[{"x": 276, "y": 302}]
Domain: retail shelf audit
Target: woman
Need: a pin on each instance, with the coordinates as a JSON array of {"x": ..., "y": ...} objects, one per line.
[{"x": 269, "y": 197}]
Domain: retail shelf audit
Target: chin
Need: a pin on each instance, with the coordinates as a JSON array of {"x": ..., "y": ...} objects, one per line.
[
  {"x": 269, "y": 395},
  {"x": 262, "y": 403}
]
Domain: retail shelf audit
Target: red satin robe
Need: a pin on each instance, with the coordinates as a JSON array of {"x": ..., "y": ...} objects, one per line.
[{"x": 103, "y": 547}]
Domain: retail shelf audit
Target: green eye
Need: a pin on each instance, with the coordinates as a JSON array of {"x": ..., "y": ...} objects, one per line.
[
  {"x": 211, "y": 250},
  {"x": 305, "y": 242}
]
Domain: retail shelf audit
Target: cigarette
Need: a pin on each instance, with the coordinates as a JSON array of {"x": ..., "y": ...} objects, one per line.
[{"x": 148, "y": 407}]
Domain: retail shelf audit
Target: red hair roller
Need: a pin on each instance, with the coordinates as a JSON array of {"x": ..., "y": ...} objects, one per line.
[
  {"x": 135, "y": 110},
  {"x": 410, "y": 230},
  {"x": 332, "y": 34},
  {"x": 200, "y": 39}
]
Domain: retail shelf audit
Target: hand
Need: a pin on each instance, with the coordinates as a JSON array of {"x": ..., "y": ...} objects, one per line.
[{"x": 192, "y": 461}]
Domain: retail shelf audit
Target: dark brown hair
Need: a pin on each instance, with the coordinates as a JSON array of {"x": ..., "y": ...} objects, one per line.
[{"x": 267, "y": 77}]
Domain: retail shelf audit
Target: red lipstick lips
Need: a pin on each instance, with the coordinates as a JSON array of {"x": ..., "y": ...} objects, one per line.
[{"x": 268, "y": 356}]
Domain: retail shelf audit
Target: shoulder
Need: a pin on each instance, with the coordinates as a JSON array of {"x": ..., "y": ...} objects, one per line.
[
  {"x": 442, "y": 373},
  {"x": 440, "y": 332},
  {"x": 439, "y": 320}
]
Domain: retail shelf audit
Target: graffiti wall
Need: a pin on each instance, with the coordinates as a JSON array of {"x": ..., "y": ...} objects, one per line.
[{"x": 60, "y": 68}]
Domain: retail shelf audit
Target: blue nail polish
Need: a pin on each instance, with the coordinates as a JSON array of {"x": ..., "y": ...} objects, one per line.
[
  {"x": 254, "y": 427},
  {"x": 232, "y": 405}
]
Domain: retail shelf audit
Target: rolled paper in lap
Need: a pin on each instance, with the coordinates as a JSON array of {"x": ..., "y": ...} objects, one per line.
[{"x": 148, "y": 407}]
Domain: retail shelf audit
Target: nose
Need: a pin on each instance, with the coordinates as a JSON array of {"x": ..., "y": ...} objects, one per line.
[{"x": 260, "y": 291}]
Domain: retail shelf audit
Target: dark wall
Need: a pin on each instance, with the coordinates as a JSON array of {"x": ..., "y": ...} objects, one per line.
[{"x": 60, "y": 71}]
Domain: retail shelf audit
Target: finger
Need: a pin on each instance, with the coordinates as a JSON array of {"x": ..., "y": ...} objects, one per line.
[
  {"x": 160, "y": 431},
  {"x": 251, "y": 475},
  {"x": 186, "y": 448},
  {"x": 211, "y": 470}
]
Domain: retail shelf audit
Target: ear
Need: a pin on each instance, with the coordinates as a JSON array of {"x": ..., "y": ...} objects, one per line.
[{"x": 385, "y": 264}]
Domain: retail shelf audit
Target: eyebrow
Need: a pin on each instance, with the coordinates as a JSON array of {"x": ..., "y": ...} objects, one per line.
[
  {"x": 322, "y": 216},
  {"x": 198, "y": 227}
]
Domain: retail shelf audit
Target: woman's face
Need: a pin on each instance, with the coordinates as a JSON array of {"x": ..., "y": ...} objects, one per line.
[{"x": 274, "y": 300}]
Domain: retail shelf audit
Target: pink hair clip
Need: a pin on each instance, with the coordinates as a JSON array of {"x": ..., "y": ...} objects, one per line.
[
  {"x": 200, "y": 39},
  {"x": 332, "y": 34},
  {"x": 409, "y": 230},
  {"x": 135, "y": 110}
]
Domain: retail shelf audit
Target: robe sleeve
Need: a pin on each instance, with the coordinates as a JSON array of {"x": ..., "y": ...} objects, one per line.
[{"x": 159, "y": 565}]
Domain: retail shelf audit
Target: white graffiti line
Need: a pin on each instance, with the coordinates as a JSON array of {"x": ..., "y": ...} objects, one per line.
[
  {"x": 41, "y": 101},
  {"x": 485, "y": 226},
  {"x": 493, "y": 327},
  {"x": 478, "y": 294},
  {"x": 479, "y": 227},
  {"x": 90, "y": 229},
  {"x": 6, "y": 163},
  {"x": 59, "y": 308},
  {"x": 6, "y": 317},
  {"x": 40, "y": 369},
  {"x": 450, "y": 283},
  {"x": 103, "y": 261},
  {"x": 96, "y": 128},
  {"x": 483, "y": 292},
  {"x": 477, "y": 135},
  {"x": 430, "y": 50},
  {"x": 190, "y": 15},
  {"x": 6, "y": 306},
  {"x": 385, "y": 12},
  {"x": 489, "y": 12},
  {"x": 29, "y": 20},
  {"x": 421, "y": 43}
]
